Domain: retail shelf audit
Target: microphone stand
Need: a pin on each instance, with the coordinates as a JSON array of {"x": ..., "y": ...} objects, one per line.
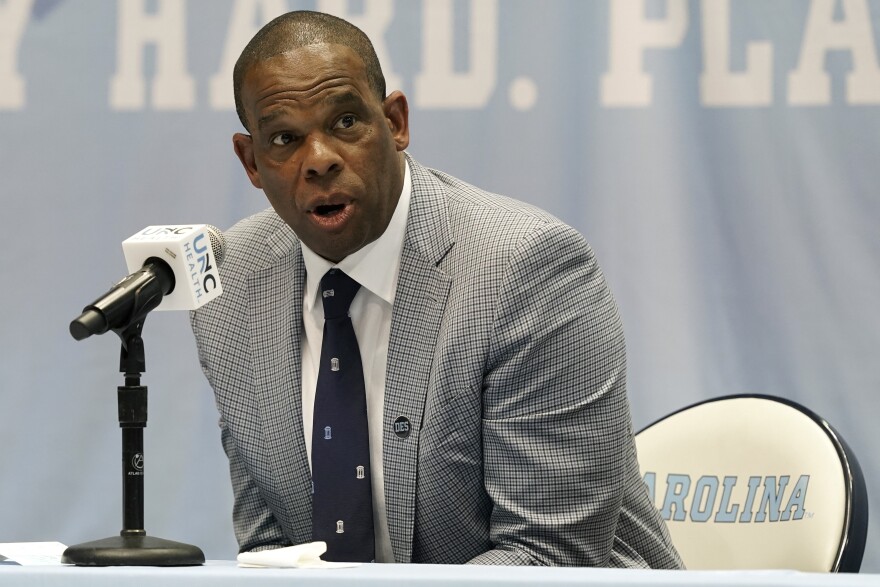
[{"x": 133, "y": 547}]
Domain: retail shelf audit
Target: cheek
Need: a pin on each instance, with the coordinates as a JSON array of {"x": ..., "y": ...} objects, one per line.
[{"x": 278, "y": 184}]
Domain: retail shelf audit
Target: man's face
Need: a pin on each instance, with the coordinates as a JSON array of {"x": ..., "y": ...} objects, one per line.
[{"x": 324, "y": 148}]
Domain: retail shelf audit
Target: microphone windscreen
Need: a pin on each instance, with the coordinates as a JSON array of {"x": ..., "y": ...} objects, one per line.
[{"x": 218, "y": 243}]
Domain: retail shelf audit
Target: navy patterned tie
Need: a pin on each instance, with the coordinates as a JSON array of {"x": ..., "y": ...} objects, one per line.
[{"x": 342, "y": 499}]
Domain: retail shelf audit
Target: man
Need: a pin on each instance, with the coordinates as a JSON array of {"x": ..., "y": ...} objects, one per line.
[{"x": 491, "y": 349}]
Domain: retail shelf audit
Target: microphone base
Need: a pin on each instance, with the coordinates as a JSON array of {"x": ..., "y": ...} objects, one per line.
[{"x": 133, "y": 551}]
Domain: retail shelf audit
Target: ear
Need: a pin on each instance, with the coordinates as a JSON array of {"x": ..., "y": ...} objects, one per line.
[
  {"x": 396, "y": 111},
  {"x": 244, "y": 148}
]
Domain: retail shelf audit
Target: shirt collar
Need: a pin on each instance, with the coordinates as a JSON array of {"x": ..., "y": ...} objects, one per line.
[{"x": 376, "y": 265}]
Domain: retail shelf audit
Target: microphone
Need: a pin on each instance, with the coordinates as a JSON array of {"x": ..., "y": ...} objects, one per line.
[{"x": 172, "y": 268}]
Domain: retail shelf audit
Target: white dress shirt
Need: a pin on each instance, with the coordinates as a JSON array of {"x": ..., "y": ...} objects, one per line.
[{"x": 375, "y": 267}]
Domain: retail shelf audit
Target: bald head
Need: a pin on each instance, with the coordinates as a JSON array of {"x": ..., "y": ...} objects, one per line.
[{"x": 299, "y": 29}]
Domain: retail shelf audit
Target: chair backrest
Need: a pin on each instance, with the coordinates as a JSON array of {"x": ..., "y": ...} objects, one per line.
[{"x": 756, "y": 482}]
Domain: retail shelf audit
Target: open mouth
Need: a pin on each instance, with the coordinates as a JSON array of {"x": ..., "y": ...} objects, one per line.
[
  {"x": 332, "y": 217},
  {"x": 329, "y": 209}
]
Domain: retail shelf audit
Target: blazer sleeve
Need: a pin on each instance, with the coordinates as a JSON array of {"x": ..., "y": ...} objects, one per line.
[
  {"x": 556, "y": 425},
  {"x": 254, "y": 523},
  {"x": 255, "y": 526}
]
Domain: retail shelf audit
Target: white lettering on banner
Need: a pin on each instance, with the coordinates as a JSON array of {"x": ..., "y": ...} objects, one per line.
[
  {"x": 809, "y": 83},
  {"x": 172, "y": 88},
  {"x": 374, "y": 21},
  {"x": 14, "y": 17},
  {"x": 248, "y": 16},
  {"x": 632, "y": 32},
  {"x": 718, "y": 85},
  {"x": 439, "y": 85},
  {"x": 843, "y": 26}
]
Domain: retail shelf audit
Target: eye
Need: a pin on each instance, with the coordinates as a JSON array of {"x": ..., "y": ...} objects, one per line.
[
  {"x": 346, "y": 121},
  {"x": 281, "y": 139}
]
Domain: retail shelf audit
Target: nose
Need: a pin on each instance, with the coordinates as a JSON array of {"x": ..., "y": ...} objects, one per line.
[{"x": 321, "y": 158}]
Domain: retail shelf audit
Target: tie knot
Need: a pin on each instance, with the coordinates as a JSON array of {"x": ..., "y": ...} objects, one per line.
[{"x": 337, "y": 292}]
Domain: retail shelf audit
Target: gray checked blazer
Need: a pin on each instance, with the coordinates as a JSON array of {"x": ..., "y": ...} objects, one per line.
[{"x": 507, "y": 357}]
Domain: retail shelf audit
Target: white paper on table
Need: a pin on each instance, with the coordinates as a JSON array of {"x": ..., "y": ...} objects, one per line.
[
  {"x": 301, "y": 556},
  {"x": 33, "y": 553}
]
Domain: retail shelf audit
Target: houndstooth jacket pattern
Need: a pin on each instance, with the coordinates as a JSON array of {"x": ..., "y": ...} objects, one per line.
[{"x": 506, "y": 356}]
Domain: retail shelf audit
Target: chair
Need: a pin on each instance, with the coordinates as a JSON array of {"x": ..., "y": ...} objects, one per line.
[{"x": 756, "y": 482}]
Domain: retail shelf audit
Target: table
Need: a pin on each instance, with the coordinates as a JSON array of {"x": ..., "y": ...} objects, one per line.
[{"x": 226, "y": 573}]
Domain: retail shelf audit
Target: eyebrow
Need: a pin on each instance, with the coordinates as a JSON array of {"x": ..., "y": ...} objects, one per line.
[
  {"x": 336, "y": 99},
  {"x": 343, "y": 98},
  {"x": 267, "y": 118}
]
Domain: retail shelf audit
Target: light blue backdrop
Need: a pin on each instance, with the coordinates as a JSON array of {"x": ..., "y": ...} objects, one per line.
[{"x": 723, "y": 158}]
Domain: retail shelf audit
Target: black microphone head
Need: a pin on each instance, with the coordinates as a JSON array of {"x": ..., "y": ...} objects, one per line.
[
  {"x": 175, "y": 267},
  {"x": 89, "y": 322},
  {"x": 218, "y": 243}
]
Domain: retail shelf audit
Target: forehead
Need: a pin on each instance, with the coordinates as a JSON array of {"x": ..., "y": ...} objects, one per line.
[{"x": 304, "y": 75}]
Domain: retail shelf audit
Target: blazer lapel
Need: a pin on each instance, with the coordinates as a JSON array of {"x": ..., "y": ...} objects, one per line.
[
  {"x": 419, "y": 304},
  {"x": 278, "y": 378}
]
